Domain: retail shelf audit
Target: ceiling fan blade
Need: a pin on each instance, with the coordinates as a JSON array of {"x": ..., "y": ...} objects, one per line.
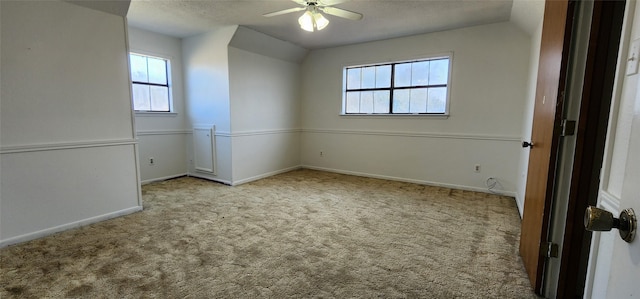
[
  {"x": 286, "y": 11},
  {"x": 329, "y": 2},
  {"x": 301, "y": 2},
  {"x": 343, "y": 13}
]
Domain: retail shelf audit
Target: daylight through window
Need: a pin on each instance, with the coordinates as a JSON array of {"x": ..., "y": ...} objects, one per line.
[
  {"x": 149, "y": 76},
  {"x": 415, "y": 87}
]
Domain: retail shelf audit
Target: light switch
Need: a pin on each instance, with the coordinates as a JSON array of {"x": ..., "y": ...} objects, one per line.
[{"x": 633, "y": 57}]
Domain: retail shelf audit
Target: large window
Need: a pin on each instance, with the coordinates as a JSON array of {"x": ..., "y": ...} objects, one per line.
[
  {"x": 150, "y": 79},
  {"x": 412, "y": 87}
]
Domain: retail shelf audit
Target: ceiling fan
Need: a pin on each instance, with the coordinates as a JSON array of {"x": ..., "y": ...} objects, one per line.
[{"x": 312, "y": 18}]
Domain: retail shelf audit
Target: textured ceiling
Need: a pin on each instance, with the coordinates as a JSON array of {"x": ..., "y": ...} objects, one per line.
[{"x": 382, "y": 19}]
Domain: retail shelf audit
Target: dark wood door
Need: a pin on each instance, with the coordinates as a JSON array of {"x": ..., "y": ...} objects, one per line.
[{"x": 552, "y": 71}]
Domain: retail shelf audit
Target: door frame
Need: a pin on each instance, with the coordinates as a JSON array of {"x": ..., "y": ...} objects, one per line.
[
  {"x": 595, "y": 102},
  {"x": 601, "y": 248},
  {"x": 591, "y": 133}
]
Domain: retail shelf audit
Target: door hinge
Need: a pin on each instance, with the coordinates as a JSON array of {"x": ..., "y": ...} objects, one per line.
[
  {"x": 548, "y": 249},
  {"x": 567, "y": 127}
]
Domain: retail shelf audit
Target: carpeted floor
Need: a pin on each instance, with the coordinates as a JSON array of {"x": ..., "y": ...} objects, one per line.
[{"x": 302, "y": 234}]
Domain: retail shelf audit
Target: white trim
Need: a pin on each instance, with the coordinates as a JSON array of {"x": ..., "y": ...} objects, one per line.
[
  {"x": 264, "y": 175},
  {"x": 256, "y": 132},
  {"x": 357, "y": 132},
  {"x": 136, "y": 152},
  {"x": 397, "y": 115},
  {"x": 164, "y": 178},
  {"x": 162, "y": 132},
  {"x": 68, "y": 226},
  {"x": 421, "y": 182},
  {"x": 63, "y": 146},
  {"x": 223, "y": 134},
  {"x": 264, "y": 132},
  {"x": 155, "y": 113},
  {"x": 208, "y": 178},
  {"x": 416, "y": 134}
]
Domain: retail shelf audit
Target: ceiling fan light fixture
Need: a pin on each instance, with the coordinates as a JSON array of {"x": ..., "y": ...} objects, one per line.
[
  {"x": 307, "y": 21},
  {"x": 320, "y": 21},
  {"x": 312, "y": 20}
]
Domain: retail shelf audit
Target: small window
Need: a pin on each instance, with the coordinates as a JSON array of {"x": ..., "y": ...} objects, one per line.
[
  {"x": 150, "y": 83},
  {"x": 413, "y": 87}
]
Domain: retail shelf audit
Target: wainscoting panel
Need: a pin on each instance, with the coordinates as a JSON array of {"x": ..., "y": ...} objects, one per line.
[
  {"x": 259, "y": 154},
  {"x": 204, "y": 145},
  {"x": 49, "y": 188},
  {"x": 167, "y": 149},
  {"x": 430, "y": 157}
]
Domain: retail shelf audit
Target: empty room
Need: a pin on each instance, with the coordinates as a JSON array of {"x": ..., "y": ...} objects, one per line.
[{"x": 335, "y": 149}]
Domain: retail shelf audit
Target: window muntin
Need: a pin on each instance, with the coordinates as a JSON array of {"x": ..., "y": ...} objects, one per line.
[
  {"x": 413, "y": 87},
  {"x": 150, "y": 83}
]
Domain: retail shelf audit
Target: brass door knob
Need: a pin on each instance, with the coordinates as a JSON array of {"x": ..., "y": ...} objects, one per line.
[{"x": 596, "y": 219}]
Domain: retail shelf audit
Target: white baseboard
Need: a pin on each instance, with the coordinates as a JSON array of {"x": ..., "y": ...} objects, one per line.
[
  {"x": 264, "y": 175},
  {"x": 406, "y": 180},
  {"x": 163, "y": 178},
  {"x": 208, "y": 178},
  {"x": 68, "y": 226}
]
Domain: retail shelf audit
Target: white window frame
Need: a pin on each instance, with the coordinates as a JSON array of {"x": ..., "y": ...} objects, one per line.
[
  {"x": 167, "y": 59},
  {"x": 448, "y": 56}
]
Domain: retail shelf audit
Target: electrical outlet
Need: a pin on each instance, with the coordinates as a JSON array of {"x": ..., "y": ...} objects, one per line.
[
  {"x": 151, "y": 160},
  {"x": 476, "y": 168}
]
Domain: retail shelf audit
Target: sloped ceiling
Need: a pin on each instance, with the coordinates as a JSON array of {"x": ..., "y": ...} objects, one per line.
[
  {"x": 116, "y": 7},
  {"x": 382, "y": 19}
]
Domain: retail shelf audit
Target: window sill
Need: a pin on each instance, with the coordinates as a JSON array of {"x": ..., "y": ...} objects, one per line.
[
  {"x": 435, "y": 116},
  {"x": 146, "y": 113}
]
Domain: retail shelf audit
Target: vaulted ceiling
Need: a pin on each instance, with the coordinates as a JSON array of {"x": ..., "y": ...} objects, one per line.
[{"x": 382, "y": 19}]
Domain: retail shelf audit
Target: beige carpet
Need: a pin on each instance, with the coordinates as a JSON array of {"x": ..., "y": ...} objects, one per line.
[{"x": 302, "y": 234}]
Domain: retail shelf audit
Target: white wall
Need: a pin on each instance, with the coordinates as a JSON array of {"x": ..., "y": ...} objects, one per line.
[
  {"x": 488, "y": 95},
  {"x": 68, "y": 153},
  {"x": 162, "y": 136},
  {"x": 206, "y": 71},
  {"x": 265, "y": 105},
  {"x": 247, "y": 85}
]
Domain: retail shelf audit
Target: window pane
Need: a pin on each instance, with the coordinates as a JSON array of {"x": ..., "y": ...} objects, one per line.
[
  {"x": 159, "y": 98},
  {"x": 353, "y": 102},
  {"x": 437, "y": 100},
  {"x": 401, "y": 101},
  {"x": 439, "y": 71},
  {"x": 141, "y": 99},
  {"x": 366, "y": 102},
  {"x": 403, "y": 75},
  {"x": 381, "y": 101},
  {"x": 418, "y": 102},
  {"x": 353, "y": 78},
  {"x": 420, "y": 73},
  {"x": 368, "y": 77},
  {"x": 383, "y": 76},
  {"x": 412, "y": 91},
  {"x": 138, "y": 68},
  {"x": 157, "y": 71}
]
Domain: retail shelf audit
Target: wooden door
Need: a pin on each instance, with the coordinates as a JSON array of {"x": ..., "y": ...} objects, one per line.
[{"x": 552, "y": 70}]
